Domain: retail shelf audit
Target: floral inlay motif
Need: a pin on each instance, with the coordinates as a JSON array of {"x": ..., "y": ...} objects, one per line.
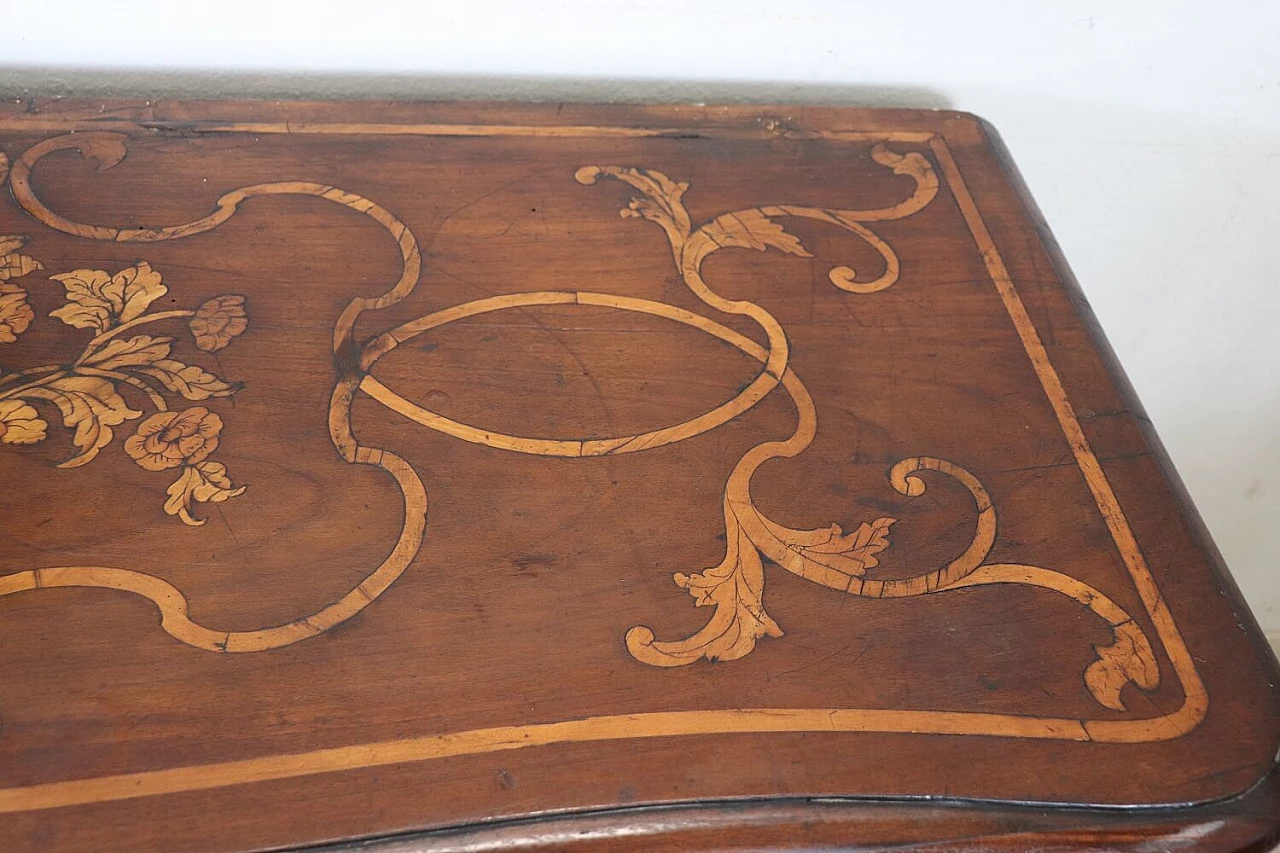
[{"x": 88, "y": 392}]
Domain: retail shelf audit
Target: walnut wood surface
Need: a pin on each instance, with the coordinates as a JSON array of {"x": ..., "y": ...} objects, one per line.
[{"x": 349, "y": 452}]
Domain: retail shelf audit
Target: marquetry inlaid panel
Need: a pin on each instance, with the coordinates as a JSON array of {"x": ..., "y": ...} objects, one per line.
[{"x": 366, "y": 456}]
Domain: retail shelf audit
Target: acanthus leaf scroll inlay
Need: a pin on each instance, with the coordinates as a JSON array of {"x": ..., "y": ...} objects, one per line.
[{"x": 87, "y": 390}]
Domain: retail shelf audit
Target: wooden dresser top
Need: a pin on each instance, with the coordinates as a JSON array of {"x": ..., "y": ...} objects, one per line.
[{"x": 363, "y": 472}]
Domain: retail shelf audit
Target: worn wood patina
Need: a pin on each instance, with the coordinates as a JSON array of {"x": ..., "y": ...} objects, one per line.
[{"x": 349, "y": 453}]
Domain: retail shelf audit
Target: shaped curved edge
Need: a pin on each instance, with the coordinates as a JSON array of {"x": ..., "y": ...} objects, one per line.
[{"x": 1246, "y": 823}]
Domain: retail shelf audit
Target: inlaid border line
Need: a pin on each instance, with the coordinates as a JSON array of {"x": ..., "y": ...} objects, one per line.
[{"x": 1196, "y": 701}]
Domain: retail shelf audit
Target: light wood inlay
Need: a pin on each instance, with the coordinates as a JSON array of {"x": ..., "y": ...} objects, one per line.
[{"x": 88, "y": 388}]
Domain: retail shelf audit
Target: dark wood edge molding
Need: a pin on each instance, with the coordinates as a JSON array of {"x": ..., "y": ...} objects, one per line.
[{"x": 1249, "y": 823}]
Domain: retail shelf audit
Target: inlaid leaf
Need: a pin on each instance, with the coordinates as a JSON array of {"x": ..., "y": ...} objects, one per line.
[
  {"x": 850, "y": 554},
  {"x": 137, "y": 287},
  {"x": 137, "y": 350},
  {"x": 204, "y": 483},
  {"x": 14, "y": 264},
  {"x": 98, "y": 300},
  {"x": 661, "y": 199},
  {"x": 87, "y": 307},
  {"x": 1127, "y": 660},
  {"x": 735, "y": 589},
  {"x": 16, "y": 313},
  {"x": 188, "y": 380},
  {"x": 20, "y": 423},
  {"x": 90, "y": 406},
  {"x": 751, "y": 229}
]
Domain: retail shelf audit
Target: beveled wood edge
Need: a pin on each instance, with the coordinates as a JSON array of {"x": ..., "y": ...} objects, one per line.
[
  {"x": 1246, "y": 823},
  {"x": 1190, "y": 514},
  {"x": 39, "y": 115}
]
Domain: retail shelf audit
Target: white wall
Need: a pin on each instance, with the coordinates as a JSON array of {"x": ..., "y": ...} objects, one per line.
[{"x": 1149, "y": 132}]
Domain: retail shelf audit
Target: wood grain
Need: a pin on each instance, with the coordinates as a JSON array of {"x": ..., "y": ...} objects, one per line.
[{"x": 462, "y": 447}]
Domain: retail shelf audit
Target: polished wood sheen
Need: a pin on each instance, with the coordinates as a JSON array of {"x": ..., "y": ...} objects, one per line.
[{"x": 365, "y": 474}]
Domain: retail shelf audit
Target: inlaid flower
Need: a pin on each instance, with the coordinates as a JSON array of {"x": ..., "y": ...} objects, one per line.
[
  {"x": 85, "y": 390},
  {"x": 15, "y": 312},
  {"x": 169, "y": 439},
  {"x": 20, "y": 423},
  {"x": 219, "y": 320}
]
